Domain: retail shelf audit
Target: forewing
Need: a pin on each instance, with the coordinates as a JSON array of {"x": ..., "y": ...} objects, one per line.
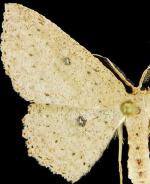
[
  {"x": 47, "y": 66},
  {"x": 68, "y": 140},
  {"x": 145, "y": 79}
]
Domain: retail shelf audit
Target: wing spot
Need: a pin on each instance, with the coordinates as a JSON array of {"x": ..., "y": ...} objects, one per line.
[
  {"x": 96, "y": 70},
  {"x": 41, "y": 22},
  {"x": 67, "y": 61},
  {"x": 73, "y": 154},
  {"x": 137, "y": 148},
  {"x": 99, "y": 101},
  {"x": 137, "y": 134},
  {"x": 46, "y": 94},
  {"x": 30, "y": 54},
  {"x": 88, "y": 72},
  {"x": 96, "y": 117},
  {"x": 81, "y": 121}
]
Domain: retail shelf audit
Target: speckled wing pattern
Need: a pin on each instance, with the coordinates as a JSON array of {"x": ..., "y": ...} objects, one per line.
[
  {"x": 75, "y": 99},
  {"x": 58, "y": 140},
  {"x": 47, "y": 66}
]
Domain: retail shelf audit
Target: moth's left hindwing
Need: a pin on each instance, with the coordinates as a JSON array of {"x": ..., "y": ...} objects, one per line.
[{"x": 68, "y": 140}]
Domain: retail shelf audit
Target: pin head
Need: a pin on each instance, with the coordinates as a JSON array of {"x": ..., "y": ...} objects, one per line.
[{"x": 129, "y": 108}]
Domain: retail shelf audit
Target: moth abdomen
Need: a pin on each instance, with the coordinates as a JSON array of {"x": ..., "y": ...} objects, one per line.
[{"x": 138, "y": 159}]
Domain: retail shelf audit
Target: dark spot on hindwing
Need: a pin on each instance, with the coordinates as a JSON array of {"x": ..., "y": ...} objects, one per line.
[{"x": 88, "y": 72}]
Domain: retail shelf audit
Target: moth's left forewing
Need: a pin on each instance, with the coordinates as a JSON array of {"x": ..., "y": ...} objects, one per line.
[
  {"x": 68, "y": 140},
  {"x": 47, "y": 66}
]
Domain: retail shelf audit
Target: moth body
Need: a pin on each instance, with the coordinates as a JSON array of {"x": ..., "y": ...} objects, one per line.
[{"x": 137, "y": 122}]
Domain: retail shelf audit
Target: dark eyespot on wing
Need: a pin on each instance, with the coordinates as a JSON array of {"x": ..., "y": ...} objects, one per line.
[
  {"x": 67, "y": 61},
  {"x": 81, "y": 121}
]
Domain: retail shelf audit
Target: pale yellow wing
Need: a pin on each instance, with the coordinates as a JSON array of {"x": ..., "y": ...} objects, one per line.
[
  {"x": 145, "y": 78},
  {"x": 47, "y": 66},
  {"x": 144, "y": 84},
  {"x": 69, "y": 140}
]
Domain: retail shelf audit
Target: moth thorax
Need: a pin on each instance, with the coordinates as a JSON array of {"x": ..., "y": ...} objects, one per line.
[{"x": 129, "y": 108}]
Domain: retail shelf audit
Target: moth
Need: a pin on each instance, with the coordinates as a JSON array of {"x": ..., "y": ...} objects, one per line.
[{"x": 77, "y": 103}]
